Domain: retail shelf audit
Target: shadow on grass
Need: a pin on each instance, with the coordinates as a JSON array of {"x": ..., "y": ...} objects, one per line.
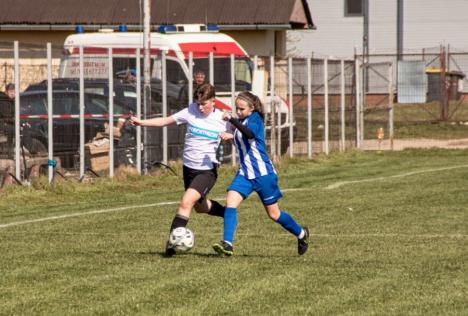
[{"x": 162, "y": 254}]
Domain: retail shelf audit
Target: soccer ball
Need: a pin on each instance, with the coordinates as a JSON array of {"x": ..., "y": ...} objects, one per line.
[{"x": 181, "y": 239}]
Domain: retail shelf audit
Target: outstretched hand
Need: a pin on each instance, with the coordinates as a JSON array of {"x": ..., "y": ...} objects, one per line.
[
  {"x": 135, "y": 121},
  {"x": 226, "y": 116},
  {"x": 226, "y": 136}
]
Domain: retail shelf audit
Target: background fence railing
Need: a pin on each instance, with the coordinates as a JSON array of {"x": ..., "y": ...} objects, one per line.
[{"x": 313, "y": 106}]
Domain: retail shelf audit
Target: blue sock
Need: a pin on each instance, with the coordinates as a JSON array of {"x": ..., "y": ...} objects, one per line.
[
  {"x": 230, "y": 224},
  {"x": 289, "y": 224}
]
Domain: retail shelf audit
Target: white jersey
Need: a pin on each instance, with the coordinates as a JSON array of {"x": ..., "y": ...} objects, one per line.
[{"x": 202, "y": 136}]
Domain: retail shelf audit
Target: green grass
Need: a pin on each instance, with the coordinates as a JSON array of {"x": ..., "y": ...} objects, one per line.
[{"x": 393, "y": 246}]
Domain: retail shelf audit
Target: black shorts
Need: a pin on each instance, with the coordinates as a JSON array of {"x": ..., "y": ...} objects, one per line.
[{"x": 200, "y": 180}]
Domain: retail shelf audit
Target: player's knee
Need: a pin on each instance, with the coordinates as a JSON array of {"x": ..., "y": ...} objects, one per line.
[
  {"x": 273, "y": 214},
  {"x": 185, "y": 205}
]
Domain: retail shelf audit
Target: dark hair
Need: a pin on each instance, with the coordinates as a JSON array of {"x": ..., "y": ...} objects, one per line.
[
  {"x": 253, "y": 101},
  {"x": 198, "y": 71},
  {"x": 205, "y": 92},
  {"x": 10, "y": 86}
]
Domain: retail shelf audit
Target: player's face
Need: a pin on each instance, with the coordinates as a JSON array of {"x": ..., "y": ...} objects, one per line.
[
  {"x": 206, "y": 107},
  {"x": 10, "y": 93},
  {"x": 243, "y": 109},
  {"x": 199, "y": 78}
]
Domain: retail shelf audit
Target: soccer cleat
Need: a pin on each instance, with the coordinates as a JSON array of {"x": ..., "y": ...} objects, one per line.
[
  {"x": 303, "y": 243},
  {"x": 169, "y": 250},
  {"x": 223, "y": 248}
]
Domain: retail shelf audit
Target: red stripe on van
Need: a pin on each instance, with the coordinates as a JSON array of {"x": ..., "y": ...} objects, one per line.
[
  {"x": 116, "y": 51},
  {"x": 218, "y": 49},
  {"x": 221, "y": 105}
]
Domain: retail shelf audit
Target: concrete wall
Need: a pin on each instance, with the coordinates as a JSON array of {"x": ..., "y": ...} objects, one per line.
[{"x": 261, "y": 42}]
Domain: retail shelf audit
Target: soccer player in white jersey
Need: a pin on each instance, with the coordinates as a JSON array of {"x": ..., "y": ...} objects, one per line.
[
  {"x": 256, "y": 173},
  {"x": 205, "y": 126}
]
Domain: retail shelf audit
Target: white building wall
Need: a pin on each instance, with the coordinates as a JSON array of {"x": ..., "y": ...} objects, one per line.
[
  {"x": 335, "y": 35},
  {"x": 427, "y": 24}
]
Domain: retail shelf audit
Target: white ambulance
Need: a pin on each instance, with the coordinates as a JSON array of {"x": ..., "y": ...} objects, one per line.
[{"x": 177, "y": 41}]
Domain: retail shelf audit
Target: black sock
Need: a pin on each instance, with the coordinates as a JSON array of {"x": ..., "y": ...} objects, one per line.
[
  {"x": 216, "y": 209},
  {"x": 179, "y": 221}
]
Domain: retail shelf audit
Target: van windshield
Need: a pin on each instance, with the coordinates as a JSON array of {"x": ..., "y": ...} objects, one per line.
[{"x": 222, "y": 73}]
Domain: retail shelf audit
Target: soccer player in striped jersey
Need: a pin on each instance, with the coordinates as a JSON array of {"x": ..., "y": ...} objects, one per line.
[{"x": 256, "y": 173}]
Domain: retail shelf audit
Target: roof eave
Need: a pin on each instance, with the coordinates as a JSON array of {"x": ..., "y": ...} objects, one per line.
[{"x": 133, "y": 27}]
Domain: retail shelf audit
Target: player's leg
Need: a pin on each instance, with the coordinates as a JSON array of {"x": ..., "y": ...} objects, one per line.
[
  {"x": 182, "y": 216},
  {"x": 190, "y": 197},
  {"x": 287, "y": 222},
  {"x": 203, "y": 183},
  {"x": 269, "y": 192},
  {"x": 239, "y": 190}
]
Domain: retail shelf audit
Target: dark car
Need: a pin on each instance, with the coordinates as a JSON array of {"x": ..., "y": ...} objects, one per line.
[
  {"x": 124, "y": 92},
  {"x": 33, "y": 115}
]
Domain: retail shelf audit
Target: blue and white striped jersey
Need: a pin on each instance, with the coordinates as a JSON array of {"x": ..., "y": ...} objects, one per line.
[{"x": 254, "y": 160}]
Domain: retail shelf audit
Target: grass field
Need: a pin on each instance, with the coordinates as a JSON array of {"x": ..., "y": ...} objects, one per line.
[{"x": 389, "y": 237}]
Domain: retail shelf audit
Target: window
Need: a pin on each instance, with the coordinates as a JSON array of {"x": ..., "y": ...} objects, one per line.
[{"x": 353, "y": 7}]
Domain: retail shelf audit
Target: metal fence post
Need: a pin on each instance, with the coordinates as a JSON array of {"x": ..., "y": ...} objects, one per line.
[
  {"x": 17, "y": 112},
  {"x": 358, "y": 102},
  {"x": 272, "y": 108},
  {"x": 50, "y": 113},
  {"x": 111, "y": 114},
  {"x": 164, "y": 103},
  {"x": 190, "y": 80},
  {"x": 211, "y": 62},
  {"x": 309, "y": 107},
  {"x": 343, "y": 136},
  {"x": 390, "y": 104},
  {"x": 290, "y": 109},
  {"x": 82, "y": 130},
  {"x": 325, "y": 95},
  {"x": 138, "y": 110},
  {"x": 233, "y": 105}
]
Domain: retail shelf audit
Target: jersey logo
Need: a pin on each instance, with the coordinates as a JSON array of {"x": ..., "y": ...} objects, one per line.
[{"x": 204, "y": 133}]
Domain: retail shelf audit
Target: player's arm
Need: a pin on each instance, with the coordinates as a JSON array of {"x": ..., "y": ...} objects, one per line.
[
  {"x": 247, "y": 132},
  {"x": 157, "y": 121}
]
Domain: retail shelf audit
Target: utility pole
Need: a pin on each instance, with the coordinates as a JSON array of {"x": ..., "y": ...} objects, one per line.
[
  {"x": 400, "y": 24},
  {"x": 365, "y": 43},
  {"x": 146, "y": 75}
]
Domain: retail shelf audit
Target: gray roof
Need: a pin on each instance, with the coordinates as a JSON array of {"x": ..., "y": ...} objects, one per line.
[{"x": 113, "y": 12}]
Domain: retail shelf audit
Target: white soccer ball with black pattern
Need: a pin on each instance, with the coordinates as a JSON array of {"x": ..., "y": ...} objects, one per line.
[{"x": 181, "y": 239}]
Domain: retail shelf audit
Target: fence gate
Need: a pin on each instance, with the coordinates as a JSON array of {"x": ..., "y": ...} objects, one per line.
[{"x": 377, "y": 105}]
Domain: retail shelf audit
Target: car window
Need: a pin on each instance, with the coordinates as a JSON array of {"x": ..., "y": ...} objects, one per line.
[
  {"x": 33, "y": 105},
  {"x": 66, "y": 104},
  {"x": 95, "y": 90},
  {"x": 98, "y": 105}
]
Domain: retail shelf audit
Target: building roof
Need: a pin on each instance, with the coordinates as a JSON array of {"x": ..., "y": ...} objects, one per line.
[{"x": 242, "y": 14}]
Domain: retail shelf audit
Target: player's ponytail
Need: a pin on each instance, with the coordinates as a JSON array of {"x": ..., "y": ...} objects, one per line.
[{"x": 253, "y": 102}]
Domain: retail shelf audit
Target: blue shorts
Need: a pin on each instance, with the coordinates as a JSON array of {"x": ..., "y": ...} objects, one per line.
[{"x": 266, "y": 187}]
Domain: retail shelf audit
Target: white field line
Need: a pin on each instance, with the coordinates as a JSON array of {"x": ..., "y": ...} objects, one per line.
[
  {"x": 124, "y": 208},
  {"x": 109, "y": 210},
  {"x": 412, "y": 173}
]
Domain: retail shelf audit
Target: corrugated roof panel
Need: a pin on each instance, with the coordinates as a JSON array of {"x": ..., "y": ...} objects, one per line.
[{"x": 163, "y": 11}]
